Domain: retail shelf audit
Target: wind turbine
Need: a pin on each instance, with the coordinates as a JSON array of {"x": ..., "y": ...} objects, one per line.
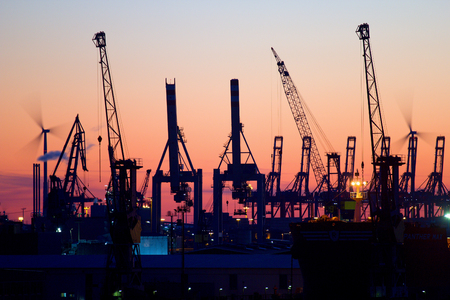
[
  {"x": 34, "y": 110},
  {"x": 408, "y": 179}
]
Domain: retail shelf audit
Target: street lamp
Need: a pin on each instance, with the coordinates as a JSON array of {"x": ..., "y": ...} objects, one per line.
[{"x": 171, "y": 215}]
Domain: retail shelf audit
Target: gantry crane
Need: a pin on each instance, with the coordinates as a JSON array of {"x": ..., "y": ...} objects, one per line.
[
  {"x": 435, "y": 192},
  {"x": 181, "y": 170},
  {"x": 273, "y": 190},
  {"x": 124, "y": 264},
  {"x": 297, "y": 190},
  {"x": 66, "y": 194},
  {"x": 239, "y": 171},
  {"x": 349, "y": 170}
]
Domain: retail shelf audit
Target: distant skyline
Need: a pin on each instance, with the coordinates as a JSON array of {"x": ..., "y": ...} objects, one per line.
[{"x": 48, "y": 57}]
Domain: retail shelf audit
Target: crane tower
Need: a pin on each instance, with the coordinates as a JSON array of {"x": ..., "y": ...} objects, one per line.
[{"x": 124, "y": 264}]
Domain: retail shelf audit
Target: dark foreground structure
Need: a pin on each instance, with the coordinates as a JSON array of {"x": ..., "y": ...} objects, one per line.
[
  {"x": 340, "y": 260},
  {"x": 209, "y": 276}
]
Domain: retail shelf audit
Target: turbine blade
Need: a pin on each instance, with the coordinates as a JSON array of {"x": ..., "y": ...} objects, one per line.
[
  {"x": 33, "y": 108},
  {"x": 405, "y": 102},
  {"x": 399, "y": 144},
  {"x": 60, "y": 131},
  {"x": 428, "y": 137},
  {"x": 30, "y": 149}
]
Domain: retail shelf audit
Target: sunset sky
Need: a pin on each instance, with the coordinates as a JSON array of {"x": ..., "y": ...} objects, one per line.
[{"x": 48, "y": 60}]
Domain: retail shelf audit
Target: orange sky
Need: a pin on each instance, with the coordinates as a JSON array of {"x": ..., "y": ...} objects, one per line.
[{"x": 48, "y": 57}]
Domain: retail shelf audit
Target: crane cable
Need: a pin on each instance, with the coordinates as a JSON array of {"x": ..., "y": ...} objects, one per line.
[
  {"x": 361, "y": 88},
  {"x": 99, "y": 139}
]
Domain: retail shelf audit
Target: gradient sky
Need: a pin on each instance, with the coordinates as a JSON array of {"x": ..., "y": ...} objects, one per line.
[{"x": 47, "y": 57}]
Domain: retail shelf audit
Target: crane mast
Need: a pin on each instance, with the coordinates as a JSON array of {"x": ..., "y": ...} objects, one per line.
[{"x": 295, "y": 103}]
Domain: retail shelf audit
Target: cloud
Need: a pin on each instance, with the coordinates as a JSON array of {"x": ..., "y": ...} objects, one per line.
[{"x": 51, "y": 156}]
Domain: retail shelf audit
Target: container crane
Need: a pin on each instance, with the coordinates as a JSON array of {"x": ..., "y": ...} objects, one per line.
[
  {"x": 181, "y": 169},
  {"x": 239, "y": 172},
  {"x": 347, "y": 175},
  {"x": 298, "y": 189},
  {"x": 124, "y": 264},
  {"x": 435, "y": 191},
  {"x": 272, "y": 188}
]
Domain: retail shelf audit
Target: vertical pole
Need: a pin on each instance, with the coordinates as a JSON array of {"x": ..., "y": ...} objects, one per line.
[
  {"x": 156, "y": 203},
  {"x": 34, "y": 190},
  {"x": 171, "y": 233},
  {"x": 198, "y": 205},
  {"x": 260, "y": 207},
  {"x": 217, "y": 199},
  {"x": 183, "y": 275},
  {"x": 45, "y": 187}
]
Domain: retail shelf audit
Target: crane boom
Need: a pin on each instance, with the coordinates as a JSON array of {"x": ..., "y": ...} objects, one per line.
[
  {"x": 114, "y": 137},
  {"x": 295, "y": 102},
  {"x": 376, "y": 122}
]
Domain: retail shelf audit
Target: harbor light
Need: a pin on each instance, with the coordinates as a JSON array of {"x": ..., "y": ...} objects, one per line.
[
  {"x": 447, "y": 216},
  {"x": 20, "y": 219}
]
